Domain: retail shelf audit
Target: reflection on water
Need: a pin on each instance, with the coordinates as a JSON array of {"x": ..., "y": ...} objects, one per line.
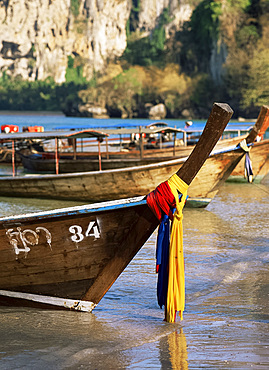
[
  {"x": 178, "y": 350},
  {"x": 225, "y": 324}
]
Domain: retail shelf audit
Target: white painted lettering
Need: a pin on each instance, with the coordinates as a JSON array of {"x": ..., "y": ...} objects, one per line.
[
  {"x": 77, "y": 231},
  {"x": 20, "y": 240},
  {"x": 92, "y": 231}
]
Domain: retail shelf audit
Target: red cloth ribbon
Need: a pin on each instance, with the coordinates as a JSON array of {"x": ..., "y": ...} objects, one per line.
[{"x": 162, "y": 200}]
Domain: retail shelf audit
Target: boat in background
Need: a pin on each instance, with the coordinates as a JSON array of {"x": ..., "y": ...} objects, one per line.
[
  {"x": 96, "y": 159},
  {"x": 95, "y": 186},
  {"x": 34, "y": 139},
  {"x": 30, "y": 148},
  {"x": 9, "y": 128},
  {"x": 259, "y": 155},
  {"x": 125, "y": 146},
  {"x": 152, "y": 144},
  {"x": 26, "y": 146},
  {"x": 69, "y": 258}
]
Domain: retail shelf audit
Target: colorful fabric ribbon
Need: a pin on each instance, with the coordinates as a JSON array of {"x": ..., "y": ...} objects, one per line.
[
  {"x": 171, "y": 281},
  {"x": 248, "y": 164}
]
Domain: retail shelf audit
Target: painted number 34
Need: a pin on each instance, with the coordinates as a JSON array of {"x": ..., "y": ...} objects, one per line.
[{"x": 79, "y": 235}]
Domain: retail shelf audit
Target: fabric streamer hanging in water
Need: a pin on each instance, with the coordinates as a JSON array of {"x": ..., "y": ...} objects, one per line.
[{"x": 165, "y": 203}]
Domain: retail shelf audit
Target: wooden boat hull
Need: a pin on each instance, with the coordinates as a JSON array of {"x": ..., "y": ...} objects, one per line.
[
  {"x": 121, "y": 183},
  {"x": 35, "y": 164},
  {"x": 71, "y": 258},
  {"x": 259, "y": 155}
]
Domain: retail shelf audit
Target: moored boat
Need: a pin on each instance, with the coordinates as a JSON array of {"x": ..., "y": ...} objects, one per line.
[
  {"x": 125, "y": 147},
  {"x": 120, "y": 183},
  {"x": 69, "y": 258},
  {"x": 44, "y": 162},
  {"x": 68, "y": 157}
]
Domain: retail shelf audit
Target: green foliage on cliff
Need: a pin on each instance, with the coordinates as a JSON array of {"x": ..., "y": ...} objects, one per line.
[
  {"x": 204, "y": 30},
  {"x": 74, "y": 6},
  {"x": 256, "y": 91},
  {"x": 117, "y": 94},
  {"x": 149, "y": 50},
  {"x": 239, "y": 29},
  {"x": 74, "y": 71}
]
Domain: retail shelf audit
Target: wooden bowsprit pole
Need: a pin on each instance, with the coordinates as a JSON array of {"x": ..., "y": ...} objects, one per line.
[
  {"x": 260, "y": 126},
  {"x": 219, "y": 117}
]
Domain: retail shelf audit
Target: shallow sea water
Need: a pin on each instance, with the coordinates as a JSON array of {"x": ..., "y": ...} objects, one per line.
[{"x": 225, "y": 323}]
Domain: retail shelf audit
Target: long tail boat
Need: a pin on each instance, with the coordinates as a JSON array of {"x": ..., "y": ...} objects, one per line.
[
  {"x": 69, "y": 159},
  {"x": 95, "y": 186},
  {"x": 69, "y": 258},
  {"x": 84, "y": 161}
]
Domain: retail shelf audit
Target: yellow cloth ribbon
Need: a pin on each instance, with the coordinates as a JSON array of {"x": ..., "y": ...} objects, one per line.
[
  {"x": 243, "y": 144},
  {"x": 176, "y": 277}
]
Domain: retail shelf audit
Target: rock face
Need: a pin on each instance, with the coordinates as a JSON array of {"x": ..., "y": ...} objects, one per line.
[
  {"x": 150, "y": 11},
  {"x": 37, "y": 38},
  {"x": 157, "y": 111},
  {"x": 217, "y": 59}
]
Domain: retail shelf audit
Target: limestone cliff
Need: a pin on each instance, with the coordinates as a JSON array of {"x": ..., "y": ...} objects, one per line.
[{"x": 38, "y": 36}]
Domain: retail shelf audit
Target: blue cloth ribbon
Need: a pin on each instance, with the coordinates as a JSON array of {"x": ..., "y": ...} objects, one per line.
[{"x": 162, "y": 255}]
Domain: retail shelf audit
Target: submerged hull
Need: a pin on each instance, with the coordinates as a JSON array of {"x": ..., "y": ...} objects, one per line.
[
  {"x": 121, "y": 183},
  {"x": 70, "y": 258}
]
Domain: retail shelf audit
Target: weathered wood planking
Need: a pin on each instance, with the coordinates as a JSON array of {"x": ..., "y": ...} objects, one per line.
[
  {"x": 38, "y": 165},
  {"x": 71, "y": 262}
]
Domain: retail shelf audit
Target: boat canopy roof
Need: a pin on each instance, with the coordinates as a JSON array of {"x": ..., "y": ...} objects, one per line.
[
  {"x": 47, "y": 135},
  {"x": 157, "y": 124}
]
